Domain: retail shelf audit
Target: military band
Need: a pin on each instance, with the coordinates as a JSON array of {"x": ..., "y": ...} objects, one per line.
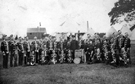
[{"x": 114, "y": 50}]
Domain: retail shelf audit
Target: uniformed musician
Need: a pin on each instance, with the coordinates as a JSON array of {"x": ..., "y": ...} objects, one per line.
[
  {"x": 127, "y": 46},
  {"x": 13, "y": 52},
  {"x": 20, "y": 49},
  {"x": 5, "y": 52},
  {"x": 73, "y": 46},
  {"x": 35, "y": 49},
  {"x": 27, "y": 50},
  {"x": 89, "y": 48},
  {"x": 115, "y": 50},
  {"x": 97, "y": 50}
]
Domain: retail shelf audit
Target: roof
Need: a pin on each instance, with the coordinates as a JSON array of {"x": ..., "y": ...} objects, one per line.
[{"x": 33, "y": 30}]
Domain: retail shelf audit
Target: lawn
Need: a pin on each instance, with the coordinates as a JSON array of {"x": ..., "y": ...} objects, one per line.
[{"x": 70, "y": 74}]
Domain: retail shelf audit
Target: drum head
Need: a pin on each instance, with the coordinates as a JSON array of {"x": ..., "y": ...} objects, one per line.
[{"x": 77, "y": 60}]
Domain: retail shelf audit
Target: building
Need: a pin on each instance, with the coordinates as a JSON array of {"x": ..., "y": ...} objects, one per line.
[{"x": 38, "y": 32}]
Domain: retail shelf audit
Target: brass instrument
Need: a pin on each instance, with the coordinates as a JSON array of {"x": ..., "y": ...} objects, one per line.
[
  {"x": 70, "y": 60},
  {"x": 55, "y": 45},
  {"x": 51, "y": 46},
  {"x": 113, "y": 53},
  {"x": 36, "y": 47},
  {"x": 106, "y": 52},
  {"x": 7, "y": 48},
  {"x": 43, "y": 54},
  {"x": 98, "y": 54},
  {"x": 54, "y": 55},
  {"x": 62, "y": 57},
  {"x": 80, "y": 43},
  {"x": 124, "y": 57},
  {"x": 28, "y": 46},
  {"x": 33, "y": 58}
]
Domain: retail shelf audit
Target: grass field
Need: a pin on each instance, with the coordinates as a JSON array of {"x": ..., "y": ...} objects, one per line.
[{"x": 69, "y": 74}]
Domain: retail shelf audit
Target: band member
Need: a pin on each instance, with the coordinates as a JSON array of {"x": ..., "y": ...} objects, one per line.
[
  {"x": 89, "y": 51},
  {"x": 20, "y": 49},
  {"x": 5, "y": 52},
  {"x": 115, "y": 50},
  {"x": 127, "y": 46},
  {"x": 27, "y": 47},
  {"x": 121, "y": 41},
  {"x": 107, "y": 52},
  {"x": 13, "y": 52},
  {"x": 35, "y": 49},
  {"x": 97, "y": 51},
  {"x": 73, "y": 46}
]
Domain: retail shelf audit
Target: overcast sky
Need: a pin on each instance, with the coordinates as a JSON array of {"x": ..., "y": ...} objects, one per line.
[{"x": 55, "y": 15}]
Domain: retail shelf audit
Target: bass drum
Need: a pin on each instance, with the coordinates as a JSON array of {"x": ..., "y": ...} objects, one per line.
[{"x": 77, "y": 60}]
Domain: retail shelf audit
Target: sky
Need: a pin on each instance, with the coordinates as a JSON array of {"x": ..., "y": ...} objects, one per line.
[{"x": 55, "y": 15}]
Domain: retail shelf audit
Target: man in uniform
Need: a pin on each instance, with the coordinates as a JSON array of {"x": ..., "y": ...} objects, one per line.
[
  {"x": 13, "y": 52},
  {"x": 35, "y": 48},
  {"x": 27, "y": 50},
  {"x": 5, "y": 52},
  {"x": 127, "y": 46},
  {"x": 97, "y": 50},
  {"x": 89, "y": 51},
  {"x": 74, "y": 45},
  {"x": 20, "y": 48},
  {"x": 115, "y": 47}
]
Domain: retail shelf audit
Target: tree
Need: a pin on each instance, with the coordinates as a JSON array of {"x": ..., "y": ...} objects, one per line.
[{"x": 122, "y": 8}]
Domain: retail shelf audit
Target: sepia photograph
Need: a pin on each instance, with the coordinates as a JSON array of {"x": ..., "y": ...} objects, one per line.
[{"x": 67, "y": 41}]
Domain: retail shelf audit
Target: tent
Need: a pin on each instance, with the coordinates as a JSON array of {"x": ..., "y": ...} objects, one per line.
[
  {"x": 111, "y": 31},
  {"x": 132, "y": 37},
  {"x": 90, "y": 31},
  {"x": 1, "y": 35},
  {"x": 125, "y": 29}
]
